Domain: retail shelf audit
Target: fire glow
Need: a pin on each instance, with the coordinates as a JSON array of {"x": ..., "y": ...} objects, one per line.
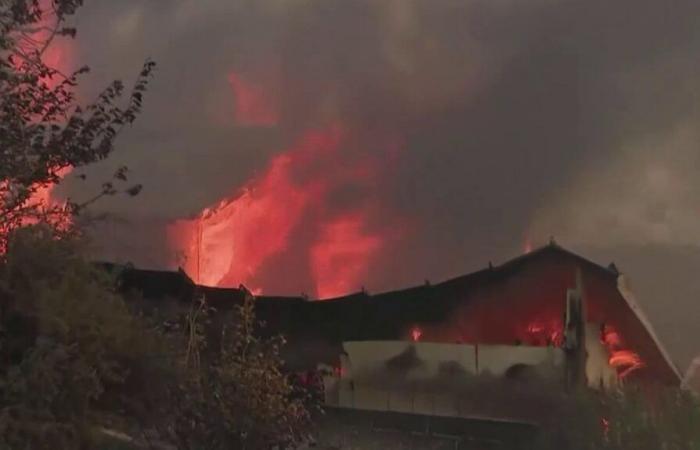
[
  {"x": 545, "y": 333},
  {"x": 339, "y": 257},
  {"x": 59, "y": 55},
  {"x": 625, "y": 361},
  {"x": 416, "y": 334},
  {"x": 291, "y": 207},
  {"x": 230, "y": 243}
]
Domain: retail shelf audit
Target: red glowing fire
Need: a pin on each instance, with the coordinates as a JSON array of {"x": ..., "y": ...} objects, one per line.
[
  {"x": 230, "y": 241},
  {"x": 56, "y": 51},
  {"x": 58, "y": 55},
  {"x": 339, "y": 257},
  {"x": 545, "y": 333},
  {"x": 45, "y": 194},
  {"x": 611, "y": 338},
  {"x": 416, "y": 334},
  {"x": 625, "y": 361},
  {"x": 230, "y": 244}
]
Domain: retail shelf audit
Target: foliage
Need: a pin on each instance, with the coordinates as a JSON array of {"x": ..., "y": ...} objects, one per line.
[
  {"x": 73, "y": 356},
  {"x": 74, "y": 359},
  {"x": 652, "y": 419},
  {"x": 235, "y": 393},
  {"x": 43, "y": 129},
  {"x": 635, "y": 417}
]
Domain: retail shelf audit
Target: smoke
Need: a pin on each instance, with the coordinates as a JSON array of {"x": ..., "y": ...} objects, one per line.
[
  {"x": 515, "y": 121},
  {"x": 646, "y": 193}
]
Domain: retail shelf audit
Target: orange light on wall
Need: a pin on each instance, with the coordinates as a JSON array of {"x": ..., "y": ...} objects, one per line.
[{"x": 416, "y": 334}]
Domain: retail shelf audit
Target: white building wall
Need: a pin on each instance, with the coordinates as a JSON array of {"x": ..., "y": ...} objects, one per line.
[
  {"x": 497, "y": 359},
  {"x": 366, "y": 380},
  {"x": 599, "y": 373}
]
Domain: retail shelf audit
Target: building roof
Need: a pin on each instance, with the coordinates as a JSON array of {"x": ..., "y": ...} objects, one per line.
[{"x": 388, "y": 315}]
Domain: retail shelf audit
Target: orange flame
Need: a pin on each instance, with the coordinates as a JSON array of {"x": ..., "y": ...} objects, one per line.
[
  {"x": 59, "y": 55},
  {"x": 625, "y": 361},
  {"x": 339, "y": 257},
  {"x": 232, "y": 242},
  {"x": 611, "y": 338},
  {"x": 416, "y": 334}
]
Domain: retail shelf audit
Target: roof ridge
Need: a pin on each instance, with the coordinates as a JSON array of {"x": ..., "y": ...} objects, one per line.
[{"x": 552, "y": 245}]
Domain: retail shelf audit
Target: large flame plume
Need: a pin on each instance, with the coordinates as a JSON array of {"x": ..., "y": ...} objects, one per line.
[{"x": 292, "y": 203}]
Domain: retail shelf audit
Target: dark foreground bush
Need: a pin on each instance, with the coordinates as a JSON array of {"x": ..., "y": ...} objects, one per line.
[
  {"x": 77, "y": 365},
  {"x": 72, "y": 355},
  {"x": 633, "y": 418}
]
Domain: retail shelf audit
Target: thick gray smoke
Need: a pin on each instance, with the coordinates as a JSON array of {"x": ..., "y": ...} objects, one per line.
[{"x": 519, "y": 121}]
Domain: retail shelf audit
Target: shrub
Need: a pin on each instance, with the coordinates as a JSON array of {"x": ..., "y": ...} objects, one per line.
[{"x": 73, "y": 356}]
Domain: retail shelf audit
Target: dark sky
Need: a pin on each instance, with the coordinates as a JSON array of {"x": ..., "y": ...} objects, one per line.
[{"x": 518, "y": 121}]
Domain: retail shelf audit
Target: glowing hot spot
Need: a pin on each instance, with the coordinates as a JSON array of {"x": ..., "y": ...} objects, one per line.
[
  {"x": 625, "y": 361},
  {"x": 416, "y": 334},
  {"x": 545, "y": 333}
]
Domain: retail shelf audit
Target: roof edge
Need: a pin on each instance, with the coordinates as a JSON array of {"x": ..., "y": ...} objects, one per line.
[{"x": 626, "y": 293}]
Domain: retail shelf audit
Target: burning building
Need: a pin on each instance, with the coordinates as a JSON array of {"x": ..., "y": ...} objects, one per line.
[{"x": 548, "y": 314}]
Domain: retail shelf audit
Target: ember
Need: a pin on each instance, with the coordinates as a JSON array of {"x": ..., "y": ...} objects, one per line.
[
  {"x": 625, "y": 361},
  {"x": 228, "y": 243}
]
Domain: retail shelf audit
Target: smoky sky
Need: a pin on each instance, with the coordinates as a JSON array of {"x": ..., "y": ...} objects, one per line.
[{"x": 519, "y": 121}]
